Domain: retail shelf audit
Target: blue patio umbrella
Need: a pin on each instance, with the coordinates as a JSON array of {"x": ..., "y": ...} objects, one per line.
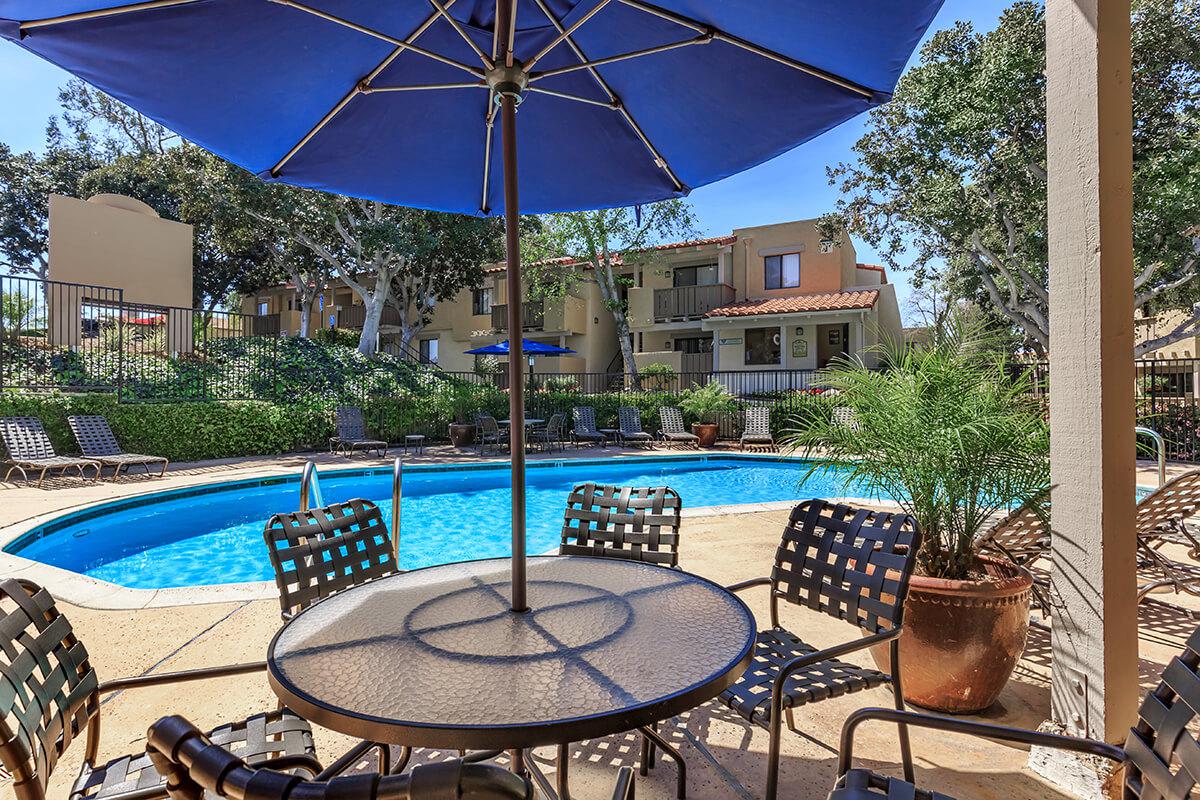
[
  {"x": 622, "y": 101},
  {"x": 528, "y": 347}
]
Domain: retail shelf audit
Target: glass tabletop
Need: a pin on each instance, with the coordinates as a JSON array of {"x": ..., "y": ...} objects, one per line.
[{"x": 435, "y": 658}]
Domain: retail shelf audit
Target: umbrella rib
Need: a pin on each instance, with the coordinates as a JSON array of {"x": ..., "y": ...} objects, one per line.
[
  {"x": 563, "y": 34},
  {"x": 441, "y": 9},
  {"x": 662, "y": 48},
  {"x": 99, "y": 13},
  {"x": 779, "y": 58},
  {"x": 354, "y": 26},
  {"x": 629, "y": 120},
  {"x": 423, "y": 87},
  {"x": 357, "y": 89},
  {"x": 603, "y": 104},
  {"x": 490, "y": 122}
]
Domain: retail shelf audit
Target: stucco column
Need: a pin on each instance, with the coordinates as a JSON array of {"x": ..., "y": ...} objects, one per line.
[{"x": 1094, "y": 682}]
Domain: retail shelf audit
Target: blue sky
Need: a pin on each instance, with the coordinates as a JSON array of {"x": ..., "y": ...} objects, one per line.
[{"x": 792, "y": 186}]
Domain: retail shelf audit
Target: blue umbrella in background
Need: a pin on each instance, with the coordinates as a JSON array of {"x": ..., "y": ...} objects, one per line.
[
  {"x": 529, "y": 348},
  {"x": 622, "y": 101}
]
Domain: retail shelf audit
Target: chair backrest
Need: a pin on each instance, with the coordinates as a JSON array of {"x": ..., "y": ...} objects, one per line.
[
  {"x": 325, "y": 550},
  {"x": 641, "y": 524},
  {"x": 1022, "y": 537},
  {"x": 25, "y": 438},
  {"x": 758, "y": 421},
  {"x": 845, "y": 417},
  {"x": 488, "y": 427},
  {"x": 672, "y": 419},
  {"x": 94, "y": 436},
  {"x": 193, "y": 765},
  {"x": 850, "y": 563},
  {"x": 629, "y": 420},
  {"x": 585, "y": 419},
  {"x": 1169, "y": 504},
  {"x": 1162, "y": 748},
  {"x": 554, "y": 425},
  {"x": 350, "y": 425},
  {"x": 48, "y": 688}
]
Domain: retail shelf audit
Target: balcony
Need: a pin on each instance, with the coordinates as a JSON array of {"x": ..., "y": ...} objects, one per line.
[
  {"x": 690, "y": 302},
  {"x": 533, "y": 316},
  {"x": 353, "y": 316}
]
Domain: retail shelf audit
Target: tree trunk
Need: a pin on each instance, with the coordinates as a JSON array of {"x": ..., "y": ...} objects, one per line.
[
  {"x": 626, "y": 342},
  {"x": 368, "y": 340},
  {"x": 305, "y": 314}
]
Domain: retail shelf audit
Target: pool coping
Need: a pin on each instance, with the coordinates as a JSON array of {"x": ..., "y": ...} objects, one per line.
[{"x": 93, "y": 593}]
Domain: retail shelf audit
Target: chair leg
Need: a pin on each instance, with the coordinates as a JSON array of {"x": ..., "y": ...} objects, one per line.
[
  {"x": 655, "y": 738},
  {"x": 775, "y": 732},
  {"x": 402, "y": 760},
  {"x": 902, "y": 730},
  {"x": 791, "y": 720}
]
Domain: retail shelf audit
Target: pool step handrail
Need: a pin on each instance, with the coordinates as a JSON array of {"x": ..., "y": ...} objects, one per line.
[
  {"x": 310, "y": 486},
  {"x": 1160, "y": 445},
  {"x": 397, "y": 484}
]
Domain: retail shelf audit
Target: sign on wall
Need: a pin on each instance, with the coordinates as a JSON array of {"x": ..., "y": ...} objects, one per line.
[{"x": 800, "y": 348}]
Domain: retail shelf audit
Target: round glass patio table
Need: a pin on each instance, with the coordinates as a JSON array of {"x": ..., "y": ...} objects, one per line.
[{"x": 435, "y": 657}]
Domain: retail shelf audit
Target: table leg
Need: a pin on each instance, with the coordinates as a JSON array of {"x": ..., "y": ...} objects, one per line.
[{"x": 543, "y": 783}]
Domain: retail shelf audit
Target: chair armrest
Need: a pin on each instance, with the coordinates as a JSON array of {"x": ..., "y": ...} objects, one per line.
[
  {"x": 181, "y": 676},
  {"x": 971, "y": 728},
  {"x": 837, "y": 651},
  {"x": 624, "y": 789},
  {"x": 743, "y": 585}
]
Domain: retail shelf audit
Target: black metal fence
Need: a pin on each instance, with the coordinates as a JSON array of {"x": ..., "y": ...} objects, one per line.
[{"x": 57, "y": 335}]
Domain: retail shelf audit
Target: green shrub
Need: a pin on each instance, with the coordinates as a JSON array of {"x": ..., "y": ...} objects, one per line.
[{"x": 708, "y": 403}]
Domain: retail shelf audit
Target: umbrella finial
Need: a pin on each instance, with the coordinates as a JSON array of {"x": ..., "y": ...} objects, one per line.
[{"x": 508, "y": 81}]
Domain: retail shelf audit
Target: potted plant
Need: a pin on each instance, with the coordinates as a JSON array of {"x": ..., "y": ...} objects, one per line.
[
  {"x": 955, "y": 437},
  {"x": 462, "y": 426},
  {"x": 706, "y": 404}
]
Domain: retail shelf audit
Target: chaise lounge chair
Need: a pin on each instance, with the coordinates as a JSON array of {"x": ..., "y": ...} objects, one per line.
[
  {"x": 672, "y": 431},
  {"x": 585, "y": 427},
  {"x": 96, "y": 441},
  {"x": 29, "y": 447},
  {"x": 629, "y": 420},
  {"x": 758, "y": 428},
  {"x": 1024, "y": 538},
  {"x": 352, "y": 433}
]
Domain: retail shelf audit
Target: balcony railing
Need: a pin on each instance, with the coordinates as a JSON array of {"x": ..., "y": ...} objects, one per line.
[
  {"x": 690, "y": 302},
  {"x": 354, "y": 316},
  {"x": 533, "y": 316}
]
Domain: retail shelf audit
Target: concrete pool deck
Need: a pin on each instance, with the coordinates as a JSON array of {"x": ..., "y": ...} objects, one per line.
[{"x": 725, "y": 756}]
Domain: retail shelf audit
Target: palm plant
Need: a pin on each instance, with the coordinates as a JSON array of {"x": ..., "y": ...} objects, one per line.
[{"x": 947, "y": 429}]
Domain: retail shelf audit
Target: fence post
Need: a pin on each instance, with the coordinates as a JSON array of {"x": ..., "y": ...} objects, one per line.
[{"x": 120, "y": 345}]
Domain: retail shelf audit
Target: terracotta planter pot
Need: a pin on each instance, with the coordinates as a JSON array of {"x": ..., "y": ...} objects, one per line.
[
  {"x": 461, "y": 434},
  {"x": 707, "y": 433},
  {"x": 962, "y": 639}
]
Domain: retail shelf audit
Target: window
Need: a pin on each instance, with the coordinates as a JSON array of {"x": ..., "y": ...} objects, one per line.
[
  {"x": 263, "y": 308},
  {"x": 782, "y": 272},
  {"x": 701, "y": 275},
  {"x": 693, "y": 344},
  {"x": 481, "y": 301},
  {"x": 429, "y": 351},
  {"x": 762, "y": 346}
]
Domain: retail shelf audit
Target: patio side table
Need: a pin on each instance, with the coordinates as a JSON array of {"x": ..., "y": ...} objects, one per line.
[{"x": 435, "y": 657}]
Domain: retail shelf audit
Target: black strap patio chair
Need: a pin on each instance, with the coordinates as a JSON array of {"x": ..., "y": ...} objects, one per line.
[
  {"x": 853, "y": 564},
  {"x": 352, "y": 433},
  {"x": 550, "y": 435},
  {"x": 585, "y": 430},
  {"x": 629, "y": 421},
  {"x": 488, "y": 434},
  {"x": 757, "y": 432},
  {"x": 50, "y": 697},
  {"x": 97, "y": 441},
  {"x": 321, "y": 551},
  {"x": 195, "y": 765},
  {"x": 1161, "y": 754},
  {"x": 29, "y": 447},
  {"x": 672, "y": 431},
  {"x": 637, "y": 524}
]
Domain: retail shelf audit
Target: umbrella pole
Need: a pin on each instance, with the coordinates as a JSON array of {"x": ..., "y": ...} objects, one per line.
[{"x": 516, "y": 377}]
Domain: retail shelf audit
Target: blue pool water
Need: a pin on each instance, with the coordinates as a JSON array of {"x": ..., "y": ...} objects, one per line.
[{"x": 213, "y": 534}]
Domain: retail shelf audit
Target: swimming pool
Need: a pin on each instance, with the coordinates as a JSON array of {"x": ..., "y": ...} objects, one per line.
[{"x": 212, "y": 534}]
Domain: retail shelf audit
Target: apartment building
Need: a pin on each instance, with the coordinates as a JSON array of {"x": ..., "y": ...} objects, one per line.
[{"x": 772, "y": 297}]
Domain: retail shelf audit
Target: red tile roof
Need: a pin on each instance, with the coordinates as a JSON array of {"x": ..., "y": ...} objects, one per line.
[
  {"x": 832, "y": 301},
  {"x": 874, "y": 268}
]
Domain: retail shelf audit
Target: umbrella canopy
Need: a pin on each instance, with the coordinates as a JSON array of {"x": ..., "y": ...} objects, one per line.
[
  {"x": 527, "y": 347},
  {"x": 622, "y": 101}
]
